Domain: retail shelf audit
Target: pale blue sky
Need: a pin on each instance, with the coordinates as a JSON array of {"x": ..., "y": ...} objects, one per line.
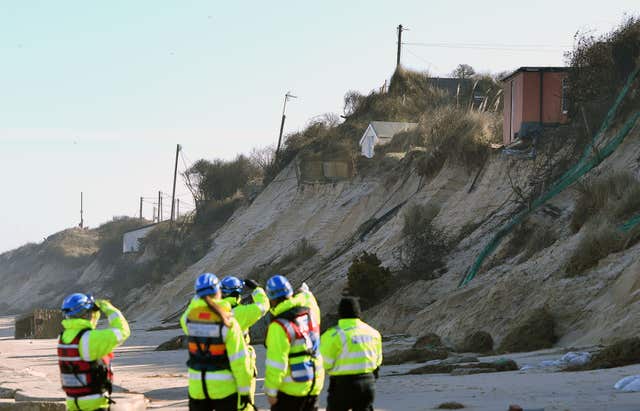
[{"x": 95, "y": 95}]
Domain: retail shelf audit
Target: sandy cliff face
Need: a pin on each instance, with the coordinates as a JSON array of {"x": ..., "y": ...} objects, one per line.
[
  {"x": 367, "y": 213},
  {"x": 598, "y": 306},
  {"x": 36, "y": 274}
]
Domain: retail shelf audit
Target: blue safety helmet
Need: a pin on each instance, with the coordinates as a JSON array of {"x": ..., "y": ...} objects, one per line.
[
  {"x": 278, "y": 286},
  {"x": 77, "y": 303},
  {"x": 230, "y": 285},
  {"x": 207, "y": 284}
]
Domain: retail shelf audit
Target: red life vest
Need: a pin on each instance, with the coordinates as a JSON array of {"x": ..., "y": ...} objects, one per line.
[
  {"x": 304, "y": 339},
  {"x": 300, "y": 328},
  {"x": 80, "y": 377}
]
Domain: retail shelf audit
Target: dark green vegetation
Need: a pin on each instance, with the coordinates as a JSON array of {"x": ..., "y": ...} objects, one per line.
[
  {"x": 525, "y": 241},
  {"x": 218, "y": 180},
  {"x": 603, "y": 204},
  {"x": 110, "y": 237},
  {"x": 368, "y": 279},
  {"x": 613, "y": 197},
  {"x": 600, "y": 66},
  {"x": 477, "y": 342},
  {"x": 424, "y": 245},
  {"x": 533, "y": 332}
]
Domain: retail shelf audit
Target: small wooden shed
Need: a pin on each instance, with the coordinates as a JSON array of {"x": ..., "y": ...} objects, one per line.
[
  {"x": 131, "y": 239},
  {"x": 41, "y": 323},
  {"x": 533, "y": 97},
  {"x": 380, "y": 133}
]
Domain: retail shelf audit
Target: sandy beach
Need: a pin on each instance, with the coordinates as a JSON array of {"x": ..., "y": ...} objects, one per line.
[{"x": 30, "y": 366}]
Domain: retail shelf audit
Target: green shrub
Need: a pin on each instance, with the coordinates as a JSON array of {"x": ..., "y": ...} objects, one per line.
[
  {"x": 458, "y": 135},
  {"x": 110, "y": 237},
  {"x": 177, "y": 246},
  {"x": 612, "y": 195},
  {"x": 219, "y": 179},
  {"x": 600, "y": 66},
  {"x": 424, "y": 245},
  {"x": 477, "y": 342},
  {"x": 213, "y": 214},
  {"x": 368, "y": 279},
  {"x": 529, "y": 239},
  {"x": 536, "y": 331},
  {"x": 629, "y": 204},
  {"x": 598, "y": 241}
]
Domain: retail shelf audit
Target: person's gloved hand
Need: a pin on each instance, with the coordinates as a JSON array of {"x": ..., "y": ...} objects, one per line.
[
  {"x": 103, "y": 305},
  {"x": 244, "y": 401},
  {"x": 304, "y": 288},
  {"x": 251, "y": 284}
]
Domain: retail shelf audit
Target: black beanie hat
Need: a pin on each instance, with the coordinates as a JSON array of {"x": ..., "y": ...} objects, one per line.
[{"x": 349, "y": 308}]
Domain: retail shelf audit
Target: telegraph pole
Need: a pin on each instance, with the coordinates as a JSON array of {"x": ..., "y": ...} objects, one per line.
[
  {"x": 154, "y": 214},
  {"x": 159, "y": 206},
  {"x": 175, "y": 174},
  {"x": 141, "y": 198},
  {"x": 81, "y": 210},
  {"x": 284, "y": 108},
  {"x": 400, "y": 30}
]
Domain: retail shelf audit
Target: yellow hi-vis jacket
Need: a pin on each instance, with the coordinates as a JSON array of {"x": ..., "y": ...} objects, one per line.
[
  {"x": 285, "y": 355},
  {"x": 249, "y": 314},
  {"x": 224, "y": 382},
  {"x": 352, "y": 347},
  {"x": 94, "y": 345}
]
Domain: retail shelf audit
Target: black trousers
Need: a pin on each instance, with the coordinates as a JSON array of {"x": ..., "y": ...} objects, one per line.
[
  {"x": 229, "y": 403},
  {"x": 351, "y": 392},
  {"x": 291, "y": 403}
]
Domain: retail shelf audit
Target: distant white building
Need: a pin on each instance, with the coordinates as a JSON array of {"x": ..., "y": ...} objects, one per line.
[
  {"x": 381, "y": 133},
  {"x": 131, "y": 239}
]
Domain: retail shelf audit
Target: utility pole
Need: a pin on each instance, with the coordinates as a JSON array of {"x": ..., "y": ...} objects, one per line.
[
  {"x": 400, "y": 30},
  {"x": 159, "y": 206},
  {"x": 141, "y": 198},
  {"x": 175, "y": 174},
  {"x": 154, "y": 214},
  {"x": 284, "y": 107},
  {"x": 81, "y": 210}
]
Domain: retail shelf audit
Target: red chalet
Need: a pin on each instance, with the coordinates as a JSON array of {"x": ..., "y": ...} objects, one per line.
[{"x": 533, "y": 97}]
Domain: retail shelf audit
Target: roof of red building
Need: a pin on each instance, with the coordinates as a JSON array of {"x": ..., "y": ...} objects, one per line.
[{"x": 535, "y": 69}]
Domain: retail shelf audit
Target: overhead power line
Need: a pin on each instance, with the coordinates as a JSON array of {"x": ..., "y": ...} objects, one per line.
[
  {"x": 420, "y": 57},
  {"x": 487, "y": 46}
]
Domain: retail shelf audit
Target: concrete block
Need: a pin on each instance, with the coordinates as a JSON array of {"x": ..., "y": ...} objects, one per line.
[
  {"x": 124, "y": 402},
  {"x": 128, "y": 402},
  {"x": 41, "y": 323},
  {"x": 38, "y": 396},
  {"x": 9, "y": 404}
]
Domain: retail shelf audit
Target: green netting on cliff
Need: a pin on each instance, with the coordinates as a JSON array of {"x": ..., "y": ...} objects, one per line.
[
  {"x": 629, "y": 224},
  {"x": 592, "y": 156}
]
